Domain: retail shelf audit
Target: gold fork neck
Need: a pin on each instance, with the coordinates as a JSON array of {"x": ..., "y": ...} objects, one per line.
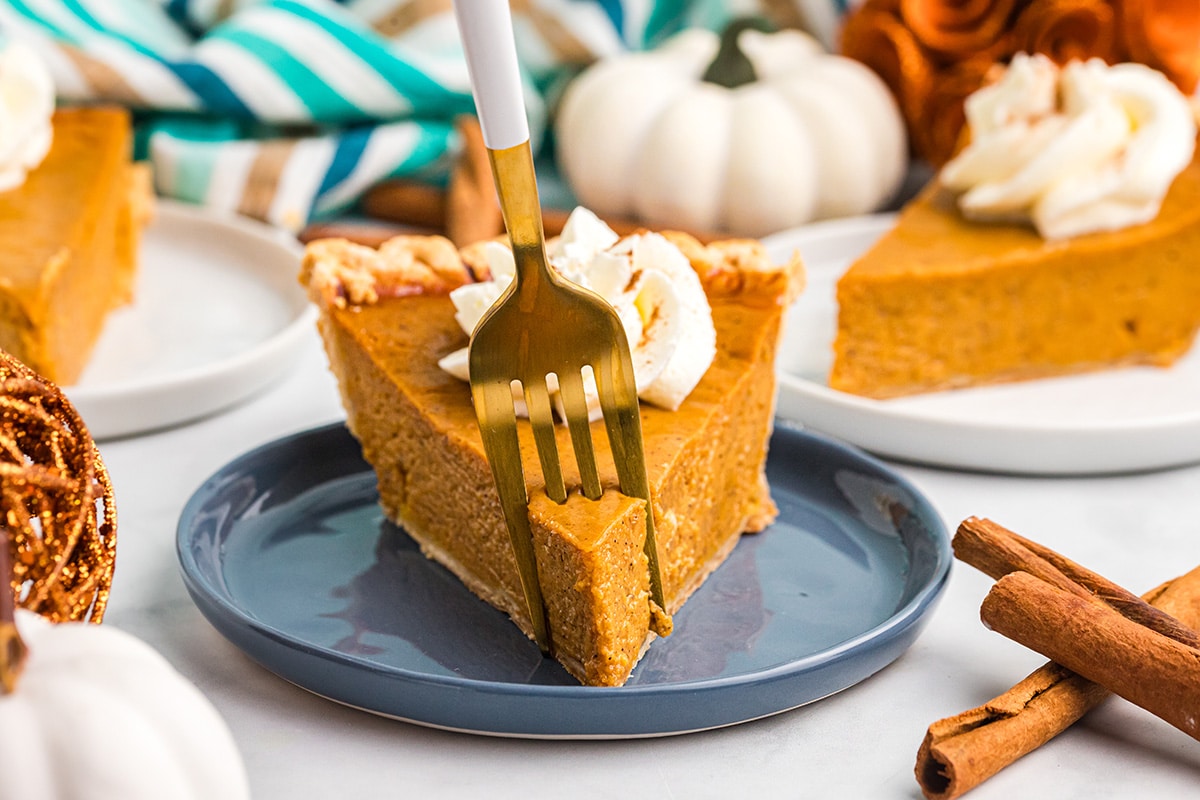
[{"x": 516, "y": 186}]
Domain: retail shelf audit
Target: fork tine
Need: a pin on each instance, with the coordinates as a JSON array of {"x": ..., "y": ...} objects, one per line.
[
  {"x": 622, "y": 420},
  {"x": 498, "y": 427},
  {"x": 570, "y": 388},
  {"x": 541, "y": 419}
]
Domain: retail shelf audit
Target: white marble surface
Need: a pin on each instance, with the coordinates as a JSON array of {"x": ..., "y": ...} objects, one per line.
[{"x": 1136, "y": 529}]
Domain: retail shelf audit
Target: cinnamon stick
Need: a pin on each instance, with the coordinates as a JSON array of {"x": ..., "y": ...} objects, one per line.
[
  {"x": 472, "y": 208},
  {"x": 468, "y": 210},
  {"x": 997, "y": 551},
  {"x": 412, "y": 204},
  {"x": 408, "y": 203},
  {"x": 1146, "y": 668},
  {"x": 960, "y": 752}
]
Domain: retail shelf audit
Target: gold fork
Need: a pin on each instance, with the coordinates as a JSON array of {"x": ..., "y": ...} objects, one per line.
[{"x": 542, "y": 325}]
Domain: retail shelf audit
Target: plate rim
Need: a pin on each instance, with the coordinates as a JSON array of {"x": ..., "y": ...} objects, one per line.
[
  {"x": 272, "y": 352},
  {"x": 808, "y": 402},
  {"x": 220, "y": 610}
]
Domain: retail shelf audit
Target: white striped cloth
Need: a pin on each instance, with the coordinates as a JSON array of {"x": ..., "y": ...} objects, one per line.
[{"x": 288, "y": 110}]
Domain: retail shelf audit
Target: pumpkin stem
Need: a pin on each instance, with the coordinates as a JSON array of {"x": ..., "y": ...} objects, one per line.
[
  {"x": 12, "y": 649},
  {"x": 731, "y": 68}
]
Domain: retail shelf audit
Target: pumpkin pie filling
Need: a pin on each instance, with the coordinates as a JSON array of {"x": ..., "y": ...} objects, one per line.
[
  {"x": 69, "y": 238},
  {"x": 386, "y": 319},
  {"x": 941, "y": 302}
]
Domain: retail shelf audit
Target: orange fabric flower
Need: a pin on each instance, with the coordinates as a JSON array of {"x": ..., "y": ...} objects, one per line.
[
  {"x": 932, "y": 52},
  {"x": 1067, "y": 29},
  {"x": 957, "y": 28},
  {"x": 944, "y": 117},
  {"x": 1164, "y": 34}
]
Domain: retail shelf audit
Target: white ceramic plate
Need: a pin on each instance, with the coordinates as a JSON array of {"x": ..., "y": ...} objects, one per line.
[
  {"x": 1124, "y": 420},
  {"x": 218, "y": 316}
]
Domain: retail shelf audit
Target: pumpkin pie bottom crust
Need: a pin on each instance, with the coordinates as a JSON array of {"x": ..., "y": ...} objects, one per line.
[
  {"x": 69, "y": 240},
  {"x": 941, "y": 302},
  {"x": 386, "y": 318}
]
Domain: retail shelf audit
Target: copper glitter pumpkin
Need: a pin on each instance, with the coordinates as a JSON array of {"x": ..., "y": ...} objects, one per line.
[{"x": 56, "y": 500}]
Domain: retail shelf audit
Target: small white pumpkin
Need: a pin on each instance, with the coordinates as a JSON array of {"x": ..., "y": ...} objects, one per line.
[
  {"x": 97, "y": 714},
  {"x": 810, "y": 135}
]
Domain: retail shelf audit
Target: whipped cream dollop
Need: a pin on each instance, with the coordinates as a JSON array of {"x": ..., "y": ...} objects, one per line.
[
  {"x": 26, "y": 106},
  {"x": 648, "y": 281},
  {"x": 1083, "y": 148}
]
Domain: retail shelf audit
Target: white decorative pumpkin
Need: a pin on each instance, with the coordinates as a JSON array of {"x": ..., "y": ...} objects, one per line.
[
  {"x": 810, "y": 135},
  {"x": 97, "y": 714}
]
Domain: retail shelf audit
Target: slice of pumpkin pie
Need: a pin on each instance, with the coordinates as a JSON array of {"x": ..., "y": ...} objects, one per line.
[
  {"x": 69, "y": 235},
  {"x": 1063, "y": 239},
  {"x": 387, "y": 319}
]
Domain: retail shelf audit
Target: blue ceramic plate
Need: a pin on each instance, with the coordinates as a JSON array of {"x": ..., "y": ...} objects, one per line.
[{"x": 286, "y": 552}]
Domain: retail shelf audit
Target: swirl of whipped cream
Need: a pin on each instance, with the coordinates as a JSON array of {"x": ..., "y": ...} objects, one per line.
[
  {"x": 1085, "y": 148},
  {"x": 26, "y": 106},
  {"x": 648, "y": 281}
]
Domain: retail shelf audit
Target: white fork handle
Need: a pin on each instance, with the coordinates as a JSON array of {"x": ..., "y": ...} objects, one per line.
[{"x": 487, "y": 34}]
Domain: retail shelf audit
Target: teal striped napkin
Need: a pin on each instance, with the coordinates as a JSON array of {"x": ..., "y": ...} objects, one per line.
[{"x": 288, "y": 110}]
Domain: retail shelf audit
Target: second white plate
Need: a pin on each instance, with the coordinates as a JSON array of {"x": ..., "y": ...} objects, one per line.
[
  {"x": 218, "y": 316},
  {"x": 1123, "y": 420}
]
